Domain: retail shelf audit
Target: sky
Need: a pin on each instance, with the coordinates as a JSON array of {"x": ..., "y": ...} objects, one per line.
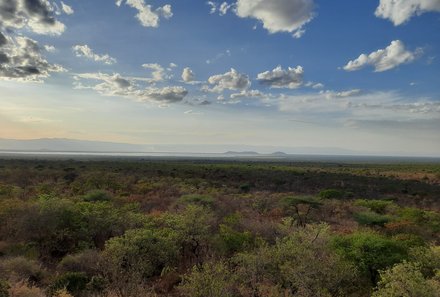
[{"x": 356, "y": 75}]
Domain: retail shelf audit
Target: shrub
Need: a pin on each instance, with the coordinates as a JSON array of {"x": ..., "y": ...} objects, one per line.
[
  {"x": 213, "y": 280},
  {"x": 97, "y": 196},
  {"x": 21, "y": 269},
  {"x": 130, "y": 260},
  {"x": 86, "y": 261},
  {"x": 370, "y": 252},
  {"x": 74, "y": 282},
  {"x": 203, "y": 200},
  {"x": 332, "y": 194},
  {"x": 21, "y": 289},
  {"x": 378, "y": 206},
  {"x": 405, "y": 279},
  {"x": 370, "y": 218},
  {"x": 4, "y": 289}
]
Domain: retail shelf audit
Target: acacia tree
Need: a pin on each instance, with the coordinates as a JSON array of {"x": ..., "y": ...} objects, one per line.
[{"x": 299, "y": 208}]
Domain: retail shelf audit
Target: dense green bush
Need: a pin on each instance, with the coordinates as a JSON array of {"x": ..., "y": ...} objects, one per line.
[
  {"x": 130, "y": 260},
  {"x": 74, "y": 282},
  {"x": 405, "y": 279},
  {"x": 213, "y": 280},
  {"x": 370, "y": 218},
  {"x": 97, "y": 196},
  {"x": 332, "y": 194},
  {"x": 370, "y": 252},
  {"x": 379, "y": 206}
]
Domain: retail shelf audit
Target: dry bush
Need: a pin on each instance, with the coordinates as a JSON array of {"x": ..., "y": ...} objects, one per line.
[{"x": 21, "y": 289}]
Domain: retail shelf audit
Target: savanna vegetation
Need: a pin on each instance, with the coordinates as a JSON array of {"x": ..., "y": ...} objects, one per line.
[{"x": 126, "y": 228}]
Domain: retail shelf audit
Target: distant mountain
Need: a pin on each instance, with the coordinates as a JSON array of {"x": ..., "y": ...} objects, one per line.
[
  {"x": 281, "y": 154},
  {"x": 74, "y": 145}
]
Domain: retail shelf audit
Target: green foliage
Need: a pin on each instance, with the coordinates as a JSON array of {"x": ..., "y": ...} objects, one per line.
[
  {"x": 370, "y": 218},
  {"x": 87, "y": 262},
  {"x": 4, "y": 288},
  {"x": 131, "y": 259},
  {"x": 213, "y": 280},
  {"x": 379, "y": 206},
  {"x": 74, "y": 282},
  {"x": 299, "y": 207},
  {"x": 302, "y": 262},
  {"x": 202, "y": 200},
  {"x": 406, "y": 280},
  {"x": 370, "y": 252},
  {"x": 427, "y": 219},
  {"x": 245, "y": 188},
  {"x": 428, "y": 259},
  {"x": 130, "y": 229},
  {"x": 97, "y": 196},
  {"x": 332, "y": 194},
  {"x": 233, "y": 240}
]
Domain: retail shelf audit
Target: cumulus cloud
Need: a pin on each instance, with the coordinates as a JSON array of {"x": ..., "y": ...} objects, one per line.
[
  {"x": 34, "y": 15},
  {"x": 21, "y": 60},
  {"x": 50, "y": 48},
  {"x": 247, "y": 94},
  {"x": 188, "y": 75},
  {"x": 158, "y": 73},
  {"x": 66, "y": 8},
  {"x": 146, "y": 15},
  {"x": 291, "y": 78},
  {"x": 86, "y": 52},
  {"x": 278, "y": 15},
  {"x": 401, "y": 11},
  {"x": 232, "y": 80},
  {"x": 129, "y": 87},
  {"x": 384, "y": 59}
]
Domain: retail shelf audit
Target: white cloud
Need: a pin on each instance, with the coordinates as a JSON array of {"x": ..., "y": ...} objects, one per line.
[
  {"x": 86, "y": 52},
  {"x": 146, "y": 15},
  {"x": 224, "y": 8},
  {"x": 130, "y": 88},
  {"x": 213, "y": 7},
  {"x": 247, "y": 94},
  {"x": 354, "y": 104},
  {"x": 21, "y": 60},
  {"x": 278, "y": 15},
  {"x": 50, "y": 48},
  {"x": 67, "y": 9},
  {"x": 291, "y": 78},
  {"x": 384, "y": 59},
  {"x": 37, "y": 16},
  {"x": 232, "y": 80},
  {"x": 158, "y": 73},
  {"x": 400, "y": 11},
  {"x": 188, "y": 75}
]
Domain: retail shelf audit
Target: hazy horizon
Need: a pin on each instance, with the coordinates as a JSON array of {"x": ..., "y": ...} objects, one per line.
[{"x": 358, "y": 77}]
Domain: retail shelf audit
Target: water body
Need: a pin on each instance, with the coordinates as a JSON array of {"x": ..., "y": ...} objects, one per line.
[{"x": 214, "y": 157}]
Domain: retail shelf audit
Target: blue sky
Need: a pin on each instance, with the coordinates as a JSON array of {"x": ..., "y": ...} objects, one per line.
[{"x": 359, "y": 75}]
